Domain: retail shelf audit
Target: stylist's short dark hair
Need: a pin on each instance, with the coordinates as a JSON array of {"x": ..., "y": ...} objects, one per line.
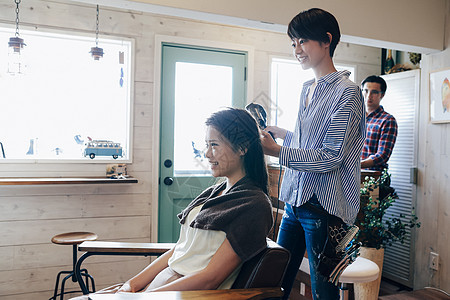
[
  {"x": 313, "y": 24},
  {"x": 376, "y": 79}
]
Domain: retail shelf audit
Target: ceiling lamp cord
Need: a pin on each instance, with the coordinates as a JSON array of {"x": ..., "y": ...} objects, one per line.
[{"x": 96, "y": 52}]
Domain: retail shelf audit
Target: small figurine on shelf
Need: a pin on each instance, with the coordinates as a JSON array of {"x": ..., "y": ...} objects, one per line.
[
  {"x": 389, "y": 62},
  {"x": 415, "y": 58},
  {"x": 116, "y": 171}
]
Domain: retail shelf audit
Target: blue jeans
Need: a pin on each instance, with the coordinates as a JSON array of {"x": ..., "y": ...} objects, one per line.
[{"x": 301, "y": 228}]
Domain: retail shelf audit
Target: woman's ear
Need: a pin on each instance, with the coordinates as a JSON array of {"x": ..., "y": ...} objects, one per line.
[
  {"x": 243, "y": 151},
  {"x": 330, "y": 38}
]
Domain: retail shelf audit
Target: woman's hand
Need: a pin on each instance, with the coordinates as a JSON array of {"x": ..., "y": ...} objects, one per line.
[
  {"x": 277, "y": 132},
  {"x": 141, "y": 280},
  {"x": 125, "y": 288},
  {"x": 270, "y": 147}
]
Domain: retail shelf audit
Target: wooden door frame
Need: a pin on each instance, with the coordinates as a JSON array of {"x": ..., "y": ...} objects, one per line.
[{"x": 159, "y": 40}]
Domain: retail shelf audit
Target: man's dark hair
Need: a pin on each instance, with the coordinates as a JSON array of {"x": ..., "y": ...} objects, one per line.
[
  {"x": 376, "y": 79},
  {"x": 313, "y": 24}
]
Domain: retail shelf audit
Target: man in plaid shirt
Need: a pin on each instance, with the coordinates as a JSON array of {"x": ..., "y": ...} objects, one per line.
[{"x": 381, "y": 127}]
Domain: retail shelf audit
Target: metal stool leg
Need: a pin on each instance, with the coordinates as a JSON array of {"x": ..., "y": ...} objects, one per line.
[
  {"x": 71, "y": 274},
  {"x": 63, "y": 284},
  {"x": 83, "y": 273},
  {"x": 89, "y": 276},
  {"x": 55, "y": 294},
  {"x": 74, "y": 261},
  {"x": 343, "y": 291},
  {"x": 56, "y": 286}
]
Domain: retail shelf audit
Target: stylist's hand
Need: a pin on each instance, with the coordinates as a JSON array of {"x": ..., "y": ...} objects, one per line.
[
  {"x": 270, "y": 147},
  {"x": 278, "y": 133}
]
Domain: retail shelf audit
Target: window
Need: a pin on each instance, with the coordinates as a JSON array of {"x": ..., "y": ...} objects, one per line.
[
  {"x": 66, "y": 100},
  {"x": 287, "y": 81}
]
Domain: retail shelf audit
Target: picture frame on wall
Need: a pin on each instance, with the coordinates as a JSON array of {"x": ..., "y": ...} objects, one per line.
[{"x": 439, "y": 83}]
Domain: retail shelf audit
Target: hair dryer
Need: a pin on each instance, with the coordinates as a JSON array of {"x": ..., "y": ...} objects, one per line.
[{"x": 259, "y": 113}]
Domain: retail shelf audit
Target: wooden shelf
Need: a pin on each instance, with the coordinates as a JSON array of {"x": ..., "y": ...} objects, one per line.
[{"x": 64, "y": 180}]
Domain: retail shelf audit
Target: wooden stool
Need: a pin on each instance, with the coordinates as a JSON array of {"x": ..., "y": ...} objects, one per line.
[
  {"x": 72, "y": 238},
  {"x": 361, "y": 270}
]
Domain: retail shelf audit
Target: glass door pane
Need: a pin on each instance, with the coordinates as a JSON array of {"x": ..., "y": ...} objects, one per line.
[{"x": 194, "y": 85}]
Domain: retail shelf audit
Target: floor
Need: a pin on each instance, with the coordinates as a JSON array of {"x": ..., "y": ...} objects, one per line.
[
  {"x": 390, "y": 290},
  {"x": 388, "y": 287}
]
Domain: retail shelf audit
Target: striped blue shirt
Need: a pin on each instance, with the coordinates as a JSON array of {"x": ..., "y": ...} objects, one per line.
[{"x": 323, "y": 154}]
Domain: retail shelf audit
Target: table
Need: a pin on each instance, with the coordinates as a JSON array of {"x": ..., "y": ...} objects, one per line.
[
  {"x": 155, "y": 249},
  {"x": 236, "y": 294},
  {"x": 116, "y": 248}
]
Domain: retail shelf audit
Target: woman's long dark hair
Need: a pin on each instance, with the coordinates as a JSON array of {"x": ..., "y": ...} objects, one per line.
[{"x": 241, "y": 131}]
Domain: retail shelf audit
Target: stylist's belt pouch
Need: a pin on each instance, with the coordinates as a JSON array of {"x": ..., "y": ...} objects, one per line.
[{"x": 340, "y": 250}]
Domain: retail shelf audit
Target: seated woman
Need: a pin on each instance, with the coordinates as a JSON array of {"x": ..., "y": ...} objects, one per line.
[{"x": 226, "y": 224}]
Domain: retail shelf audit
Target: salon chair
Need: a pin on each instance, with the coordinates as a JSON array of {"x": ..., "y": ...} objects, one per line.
[{"x": 265, "y": 270}]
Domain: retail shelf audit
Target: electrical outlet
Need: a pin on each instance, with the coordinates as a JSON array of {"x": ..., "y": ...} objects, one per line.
[{"x": 434, "y": 261}]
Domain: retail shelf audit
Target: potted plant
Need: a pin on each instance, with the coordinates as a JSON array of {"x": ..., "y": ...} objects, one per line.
[{"x": 376, "y": 229}]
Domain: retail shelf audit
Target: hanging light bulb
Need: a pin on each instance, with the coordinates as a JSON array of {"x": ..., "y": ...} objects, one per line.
[
  {"x": 16, "y": 64},
  {"x": 96, "y": 52}
]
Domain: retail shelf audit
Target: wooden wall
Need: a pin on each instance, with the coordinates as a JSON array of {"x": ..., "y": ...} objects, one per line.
[
  {"x": 433, "y": 193},
  {"x": 31, "y": 215},
  {"x": 358, "y": 19}
]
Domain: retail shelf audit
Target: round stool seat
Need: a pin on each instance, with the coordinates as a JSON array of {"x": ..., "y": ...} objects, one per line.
[
  {"x": 73, "y": 238},
  {"x": 361, "y": 270}
]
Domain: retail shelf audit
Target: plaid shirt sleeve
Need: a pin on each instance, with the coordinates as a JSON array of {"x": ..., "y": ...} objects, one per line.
[{"x": 388, "y": 135}]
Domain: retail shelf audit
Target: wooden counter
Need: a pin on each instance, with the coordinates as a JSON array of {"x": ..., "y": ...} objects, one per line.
[
  {"x": 64, "y": 180},
  {"x": 231, "y": 294}
]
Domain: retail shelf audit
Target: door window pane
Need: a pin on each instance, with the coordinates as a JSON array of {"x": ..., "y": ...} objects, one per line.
[{"x": 200, "y": 90}]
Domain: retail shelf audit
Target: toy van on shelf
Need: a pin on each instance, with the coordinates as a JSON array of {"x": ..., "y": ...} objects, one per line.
[{"x": 103, "y": 148}]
